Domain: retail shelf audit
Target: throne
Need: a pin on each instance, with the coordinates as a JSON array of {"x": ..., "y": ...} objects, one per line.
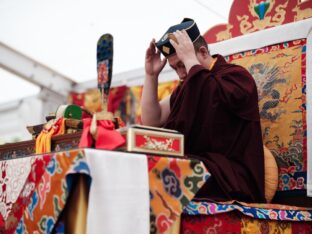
[
  {"x": 273, "y": 41},
  {"x": 277, "y": 51}
]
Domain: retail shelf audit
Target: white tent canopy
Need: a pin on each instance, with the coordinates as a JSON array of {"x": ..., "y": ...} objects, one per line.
[{"x": 63, "y": 34}]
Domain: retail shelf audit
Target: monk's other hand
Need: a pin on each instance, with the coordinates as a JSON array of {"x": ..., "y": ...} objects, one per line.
[{"x": 153, "y": 62}]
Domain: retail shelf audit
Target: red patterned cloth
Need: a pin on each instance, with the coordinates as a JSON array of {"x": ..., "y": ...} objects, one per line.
[
  {"x": 107, "y": 137},
  {"x": 221, "y": 223},
  {"x": 235, "y": 222}
]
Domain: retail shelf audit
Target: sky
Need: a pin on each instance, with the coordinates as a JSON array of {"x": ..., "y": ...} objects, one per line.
[{"x": 62, "y": 34}]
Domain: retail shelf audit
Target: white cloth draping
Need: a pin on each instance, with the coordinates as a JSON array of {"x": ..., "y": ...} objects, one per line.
[{"x": 119, "y": 193}]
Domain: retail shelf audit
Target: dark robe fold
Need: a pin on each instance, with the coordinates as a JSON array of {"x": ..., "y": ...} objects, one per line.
[{"x": 217, "y": 111}]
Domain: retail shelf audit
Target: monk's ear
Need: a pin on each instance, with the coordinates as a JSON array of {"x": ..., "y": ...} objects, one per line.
[{"x": 203, "y": 51}]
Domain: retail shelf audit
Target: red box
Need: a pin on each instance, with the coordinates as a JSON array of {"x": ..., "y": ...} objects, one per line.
[{"x": 151, "y": 140}]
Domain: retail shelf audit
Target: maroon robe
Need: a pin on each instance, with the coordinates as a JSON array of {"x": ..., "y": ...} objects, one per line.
[{"x": 217, "y": 111}]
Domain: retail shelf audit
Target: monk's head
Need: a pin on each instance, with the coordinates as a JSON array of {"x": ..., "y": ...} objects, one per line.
[
  {"x": 202, "y": 54},
  {"x": 200, "y": 45}
]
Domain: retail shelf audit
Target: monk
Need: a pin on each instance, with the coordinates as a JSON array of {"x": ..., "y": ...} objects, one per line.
[{"x": 215, "y": 106}]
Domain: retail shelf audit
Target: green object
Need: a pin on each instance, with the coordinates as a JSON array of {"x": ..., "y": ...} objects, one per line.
[
  {"x": 69, "y": 112},
  {"x": 73, "y": 112}
]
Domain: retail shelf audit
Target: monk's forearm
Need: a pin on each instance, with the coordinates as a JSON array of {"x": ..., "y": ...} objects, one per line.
[{"x": 151, "y": 111}]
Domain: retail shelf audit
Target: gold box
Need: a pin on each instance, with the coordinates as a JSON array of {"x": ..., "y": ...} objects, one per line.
[{"x": 151, "y": 140}]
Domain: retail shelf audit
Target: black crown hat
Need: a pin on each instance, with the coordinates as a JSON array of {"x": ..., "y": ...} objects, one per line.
[{"x": 187, "y": 24}]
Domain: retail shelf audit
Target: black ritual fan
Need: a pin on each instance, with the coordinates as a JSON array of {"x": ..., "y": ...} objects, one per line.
[{"x": 104, "y": 61}]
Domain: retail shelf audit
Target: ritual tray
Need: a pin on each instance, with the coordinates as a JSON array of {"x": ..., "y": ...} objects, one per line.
[{"x": 23, "y": 148}]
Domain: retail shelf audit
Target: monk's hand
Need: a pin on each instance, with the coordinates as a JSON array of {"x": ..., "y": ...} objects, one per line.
[
  {"x": 153, "y": 63},
  {"x": 185, "y": 49}
]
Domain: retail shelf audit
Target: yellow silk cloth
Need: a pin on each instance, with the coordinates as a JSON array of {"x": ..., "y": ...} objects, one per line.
[
  {"x": 251, "y": 225},
  {"x": 43, "y": 141}
]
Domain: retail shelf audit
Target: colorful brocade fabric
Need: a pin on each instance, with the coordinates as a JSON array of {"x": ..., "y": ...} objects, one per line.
[
  {"x": 173, "y": 184},
  {"x": 281, "y": 85},
  {"x": 236, "y": 222},
  {"x": 257, "y": 211},
  {"x": 34, "y": 190}
]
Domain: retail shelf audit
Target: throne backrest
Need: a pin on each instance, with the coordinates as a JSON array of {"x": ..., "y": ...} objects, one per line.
[{"x": 279, "y": 72}]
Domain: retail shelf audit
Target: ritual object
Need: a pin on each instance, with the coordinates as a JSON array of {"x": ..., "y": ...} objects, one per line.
[
  {"x": 152, "y": 140},
  {"x": 105, "y": 70},
  {"x": 57, "y": 126},
  {"x": 99, "y": 132},
  {"x": 72, "y": 115}
]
